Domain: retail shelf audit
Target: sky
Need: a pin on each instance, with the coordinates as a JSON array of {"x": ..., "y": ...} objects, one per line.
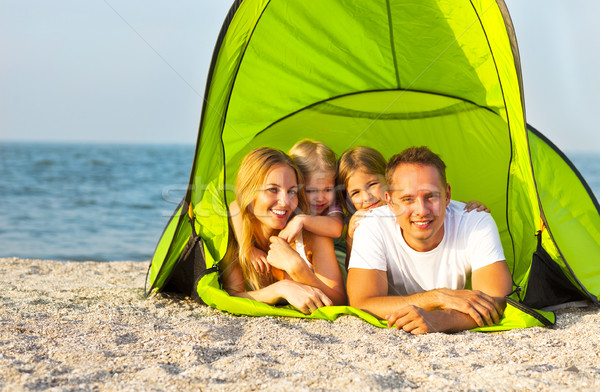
[{"x": 134, "y": 71}]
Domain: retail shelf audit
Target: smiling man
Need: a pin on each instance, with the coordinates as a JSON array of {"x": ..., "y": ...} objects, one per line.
[{"x": 413, "y": 259}]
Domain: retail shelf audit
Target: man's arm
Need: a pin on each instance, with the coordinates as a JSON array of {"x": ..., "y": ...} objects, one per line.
[
  {"x": 368, "y": 289},
  {"x": 493, "y": 280},
  {"x": 419, "y": 321}
]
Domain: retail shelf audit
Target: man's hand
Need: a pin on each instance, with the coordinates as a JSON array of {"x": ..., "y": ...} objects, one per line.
[
  {"x": 482, "y": 308},
  {"x": 417, "y": 320}
]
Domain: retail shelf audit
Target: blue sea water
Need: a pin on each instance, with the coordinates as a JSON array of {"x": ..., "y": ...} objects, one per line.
[
  {"x": 106, "y": 202},
  {"x": 88, "y": 201}
]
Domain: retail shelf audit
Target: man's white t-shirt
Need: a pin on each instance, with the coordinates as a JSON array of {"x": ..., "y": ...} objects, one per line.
[{"x": 471, "y": 241}]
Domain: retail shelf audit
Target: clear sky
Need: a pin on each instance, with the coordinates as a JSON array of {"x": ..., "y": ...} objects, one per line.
[{"x": 135, "y": 71}]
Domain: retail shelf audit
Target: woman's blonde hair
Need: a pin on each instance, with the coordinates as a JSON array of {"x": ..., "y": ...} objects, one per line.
[
  {"x": 312, "y": 156},
  {"x": 355, "y": 159},
  {"x": 252, "y": 174}
]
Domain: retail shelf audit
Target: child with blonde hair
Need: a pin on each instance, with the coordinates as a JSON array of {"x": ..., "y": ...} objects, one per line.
[{"x": 318, "y": 165}]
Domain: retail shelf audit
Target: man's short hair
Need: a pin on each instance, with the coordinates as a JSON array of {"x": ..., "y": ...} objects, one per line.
[{"x": 419, "y": 156}]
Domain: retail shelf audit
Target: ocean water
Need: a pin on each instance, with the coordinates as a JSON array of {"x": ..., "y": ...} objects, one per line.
[
  {"x": 88, "y": 201},
  {"x": 106, "y": 202}
]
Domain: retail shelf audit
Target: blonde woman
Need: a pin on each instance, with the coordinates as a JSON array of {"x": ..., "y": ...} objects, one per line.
[{"x": 304, "y": 274}]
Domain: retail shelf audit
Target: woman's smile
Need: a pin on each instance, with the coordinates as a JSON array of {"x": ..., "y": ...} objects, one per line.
[{"x": 278, "y": 198}]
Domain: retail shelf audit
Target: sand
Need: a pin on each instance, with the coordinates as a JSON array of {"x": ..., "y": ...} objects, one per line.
[{"x": 86, "y": 326}]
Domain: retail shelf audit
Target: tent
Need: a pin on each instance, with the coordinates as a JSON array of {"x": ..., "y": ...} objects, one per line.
[{"x": 387, "y": 74}]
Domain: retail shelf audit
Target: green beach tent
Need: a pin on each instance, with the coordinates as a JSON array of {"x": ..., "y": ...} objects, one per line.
[{"x": 388, "y": 74}]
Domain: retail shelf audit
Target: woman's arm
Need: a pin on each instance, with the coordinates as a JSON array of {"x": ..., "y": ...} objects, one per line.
[
  {"x": 303, "y": 297},
  {"x": 327, "y": 269},
  {"x": 325, "y": 274},
  {"x": 236, "y": 219}
]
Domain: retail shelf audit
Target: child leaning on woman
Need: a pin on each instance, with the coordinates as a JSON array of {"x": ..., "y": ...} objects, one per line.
[{"x": 318, "y": 165}]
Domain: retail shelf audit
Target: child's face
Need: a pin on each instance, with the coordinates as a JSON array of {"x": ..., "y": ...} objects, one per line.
[
  {"x": 320, "y": 187},
  {"x": 366, "y": 190}
]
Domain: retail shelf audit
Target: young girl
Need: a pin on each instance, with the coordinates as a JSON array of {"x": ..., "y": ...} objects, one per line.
[
  {"x": 361, "y": 171},
  {"x": 307, "y": 276},
  {"x": 318, "y": 166}
]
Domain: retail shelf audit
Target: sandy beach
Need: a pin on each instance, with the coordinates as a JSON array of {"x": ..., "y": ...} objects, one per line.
[{"x": 68, "y": 326}]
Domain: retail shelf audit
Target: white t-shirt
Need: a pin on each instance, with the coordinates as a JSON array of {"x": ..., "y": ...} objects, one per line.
[{"x": 471, "y": 241}]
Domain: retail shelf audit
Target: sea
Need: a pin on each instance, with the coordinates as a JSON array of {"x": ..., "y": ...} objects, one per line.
[{"x": 107, "y": 202}]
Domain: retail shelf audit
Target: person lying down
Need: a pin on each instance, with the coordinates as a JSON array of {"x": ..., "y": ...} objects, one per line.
[{"x": 305, "y": 273}]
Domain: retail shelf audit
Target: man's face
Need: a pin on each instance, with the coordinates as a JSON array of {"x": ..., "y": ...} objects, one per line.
[{"x": 419, "y": 199}]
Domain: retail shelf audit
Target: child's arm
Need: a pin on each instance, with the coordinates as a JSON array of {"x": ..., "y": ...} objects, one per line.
[
  {"x": 327, "y": 226},
  {"x": 352, "y": 225},
  {"x": 258, "y": 258},
  {"x": 475, "y": 205}
]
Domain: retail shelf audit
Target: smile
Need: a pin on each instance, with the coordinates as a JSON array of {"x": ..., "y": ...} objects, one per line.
[
  {"x": 374, "y": 205},
  {"x": 422, "y": 224},
  {"x": 279, "y": 213}
]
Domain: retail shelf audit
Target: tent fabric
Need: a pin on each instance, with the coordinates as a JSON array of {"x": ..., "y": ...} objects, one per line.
[
  {"x": 547, "y": 284},
  {"x": 387, "y": 74},
  {"x": 571, "y": 212}
]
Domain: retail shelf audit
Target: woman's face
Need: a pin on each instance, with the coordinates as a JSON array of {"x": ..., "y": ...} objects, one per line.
[
  {"x": 277, "y": 198},
  {"x": 366, "y": 190}
]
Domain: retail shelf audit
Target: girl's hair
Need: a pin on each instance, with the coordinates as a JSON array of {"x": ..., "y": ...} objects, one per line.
[
  {"x": 253, "y": 172},
  {"x": 312, "y": 156},
  {"x": 354, "y": 159}
]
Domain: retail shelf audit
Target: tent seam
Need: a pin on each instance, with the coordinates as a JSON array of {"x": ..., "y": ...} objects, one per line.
[
  {"x": 362, "y": 92},
  {"x": 392, "y": 44},
  {"x": 509, "y": 139}
]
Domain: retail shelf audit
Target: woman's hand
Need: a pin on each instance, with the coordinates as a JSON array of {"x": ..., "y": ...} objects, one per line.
[
  {"x": 282, "y": 256},
  {"x": 293, "y": 227},
  {"x": 355, "y": 220},
  {"x": 305, "y": 298},
  {"x": 258, "y": 259},
  {"x": 475, "y": 205}
]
